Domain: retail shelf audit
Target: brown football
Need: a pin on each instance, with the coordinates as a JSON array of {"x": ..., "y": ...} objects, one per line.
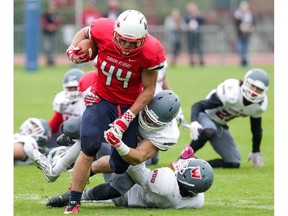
[{"x": 89, "y": 47}]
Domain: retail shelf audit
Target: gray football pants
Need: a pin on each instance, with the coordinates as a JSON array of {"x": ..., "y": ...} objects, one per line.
[{"x": 223, "y": 142}]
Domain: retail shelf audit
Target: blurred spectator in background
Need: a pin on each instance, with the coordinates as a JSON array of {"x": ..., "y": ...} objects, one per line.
[
  {"x": 174, "y": 25},
  {"x": 50, "y": 23},
  {"x": 90, "y": 13},
  {"x": 113, "y": 10},
  {"x": 194, "y": 20},
  {"x": 244, "y": 22}
]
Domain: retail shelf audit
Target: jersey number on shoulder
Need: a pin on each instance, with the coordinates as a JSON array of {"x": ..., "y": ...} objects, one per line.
[{"x": 119, "y": 76}]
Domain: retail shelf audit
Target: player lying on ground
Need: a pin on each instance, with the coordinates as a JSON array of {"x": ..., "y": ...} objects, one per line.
[
  {"x": 34, "y": 133},
  {"x": 161, "y": 187}
]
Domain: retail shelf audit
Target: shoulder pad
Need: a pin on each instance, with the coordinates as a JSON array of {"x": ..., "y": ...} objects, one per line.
[
  {"x": 60, "y": 102},
  {"x": 228, "y": 91}
]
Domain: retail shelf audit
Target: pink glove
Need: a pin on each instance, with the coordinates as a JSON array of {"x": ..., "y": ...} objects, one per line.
[
  {"x": 75, "y": 57},
  {"x": 122, "y": 123},
  {"x": 113, "y": 138},
  {"x": 187, "y": 152},
  {"x": 90, "y": 97}
]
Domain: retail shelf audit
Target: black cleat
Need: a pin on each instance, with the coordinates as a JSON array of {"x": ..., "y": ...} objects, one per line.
[
  {"x": 64, "y": 140},
  {"x": 59, "y": 201}
]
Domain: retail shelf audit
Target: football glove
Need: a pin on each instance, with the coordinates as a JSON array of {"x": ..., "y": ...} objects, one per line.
[
  {"x": 122, "y": 123},
  {"x": 75, "y": 57},
  {"x": 187, "y": 152},
  {"x": 60, "y": 105},
  {"x": 90, "y": 97},
  {"x": 113, "y": 138},
  {"x": 256, "y": 158},
  {"x": 195, "y": 129}
]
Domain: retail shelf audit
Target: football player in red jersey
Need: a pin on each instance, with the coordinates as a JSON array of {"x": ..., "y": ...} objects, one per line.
[{"x": 128, "y": 62}]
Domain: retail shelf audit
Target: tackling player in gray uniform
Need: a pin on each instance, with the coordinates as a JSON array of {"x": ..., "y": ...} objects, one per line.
[
  {"x": 157, "y": 131},
  {"x": 232, "y": 98},
  {"x": 159, "y": 134}
]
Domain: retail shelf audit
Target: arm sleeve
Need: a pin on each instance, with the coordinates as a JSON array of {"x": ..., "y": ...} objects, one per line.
[
  {"x": 55, "y": 122},
  {"x": 201, "y": 106},
  {"x": 256, "y": 129},
  {"x": 140, "y": 174}
]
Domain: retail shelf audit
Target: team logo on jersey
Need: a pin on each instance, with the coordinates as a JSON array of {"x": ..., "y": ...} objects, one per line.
[
  {"x": 195, "y": 172},
  {"x": 154, "y": 175}
]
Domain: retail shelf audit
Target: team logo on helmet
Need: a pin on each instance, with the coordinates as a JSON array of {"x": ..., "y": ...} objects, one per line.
[{"x": 195, "y": 172}]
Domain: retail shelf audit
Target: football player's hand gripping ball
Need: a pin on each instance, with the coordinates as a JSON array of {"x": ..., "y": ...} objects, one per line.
[{"x": 74, "y": 55}]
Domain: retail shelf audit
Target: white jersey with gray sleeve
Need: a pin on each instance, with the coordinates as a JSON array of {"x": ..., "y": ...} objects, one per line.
[
  {"x": 29, "y": 144},
  {"x": 229, "y": 92},
  {"x": 69, "y": 110},
  {"x": 164, "y": 138},
  {"x": 158, "y": 188}
]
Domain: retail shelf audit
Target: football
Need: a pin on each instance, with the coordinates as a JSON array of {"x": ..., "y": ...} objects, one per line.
[{"x": 89, "y": 47}]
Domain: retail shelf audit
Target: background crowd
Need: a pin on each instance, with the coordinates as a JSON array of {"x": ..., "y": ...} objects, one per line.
[{"x": 196, "y": 28}]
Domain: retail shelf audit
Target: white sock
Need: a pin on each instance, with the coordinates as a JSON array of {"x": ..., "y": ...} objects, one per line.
[{"x": 69, "y": 158}]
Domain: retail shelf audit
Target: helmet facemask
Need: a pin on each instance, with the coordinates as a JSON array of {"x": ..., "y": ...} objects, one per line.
[
  {"x": 148, "y": 120},
  {"x": 72, "y": 92},
  {"x": 161, "y": 110},
  {"x": 117, "y": 38},
  {"x": 34, "y": 128},
  {"x": 71, "y": 84}
]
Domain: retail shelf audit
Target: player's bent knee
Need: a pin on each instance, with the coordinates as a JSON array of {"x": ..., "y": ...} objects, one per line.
[
  {"x": 208, "y": 133},
  {"x": 71, "y": 127},
  {"x": 121, "y": 182}
]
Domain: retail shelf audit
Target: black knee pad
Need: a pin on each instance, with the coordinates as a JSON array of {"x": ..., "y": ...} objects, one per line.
[
  {"x": 208, "y": 133},
  {"x": 204, "y": 136},
  {"x": 72, "y": 127}
]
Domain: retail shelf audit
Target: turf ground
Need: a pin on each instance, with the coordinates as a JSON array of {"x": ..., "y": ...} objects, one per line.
[{"x": 245, "y": 191}]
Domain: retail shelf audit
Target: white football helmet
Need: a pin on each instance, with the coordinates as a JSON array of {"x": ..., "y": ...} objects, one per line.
[
  {"x": 194, "y": 176},
  {"x": 131, "y": 26},
  {"x": 71, "y": 79},
  {"x": 256, "y": 77},
  {"x": 38, "y": 128},
  {"x": 162, "y": 109}
]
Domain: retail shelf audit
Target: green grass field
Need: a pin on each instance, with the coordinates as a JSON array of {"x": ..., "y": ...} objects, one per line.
[{"x": 246, "y": 191}]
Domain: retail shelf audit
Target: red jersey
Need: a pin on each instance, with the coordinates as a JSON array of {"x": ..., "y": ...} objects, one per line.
[
  {"x": 87, "y": 80},
  {"x": 119, "y": 76}
]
